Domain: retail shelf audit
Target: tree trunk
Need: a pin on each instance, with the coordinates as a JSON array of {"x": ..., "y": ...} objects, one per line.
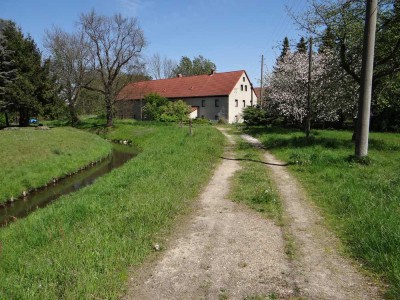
[
  {"x": 73, "y": 115},
  {"x": 109, "y": 115},
  {"x": 7, "y": 120},
  {"x": 109, "y": 108},
  {"x": 308, "y": 126},
  {"x": 23, "y": 118},
  {"x": 109, "y": 118}
]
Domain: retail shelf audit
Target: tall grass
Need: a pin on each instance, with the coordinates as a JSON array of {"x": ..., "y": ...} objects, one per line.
[
  {"x": 82, "y": 246},
  {"x": 31, "y": 158},
  {"x": 362, "y": 201}
]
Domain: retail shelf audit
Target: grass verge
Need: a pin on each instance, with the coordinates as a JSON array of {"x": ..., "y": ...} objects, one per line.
[
  {"x": 82, "y": 246},
  {"x": 31, "y": 158},
  {"x": 362, "y": 201}
]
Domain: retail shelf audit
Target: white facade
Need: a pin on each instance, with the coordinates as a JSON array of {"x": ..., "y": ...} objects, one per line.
[
  {"x": 211, "y": 108},
  {"x": 241, "y": 97}
]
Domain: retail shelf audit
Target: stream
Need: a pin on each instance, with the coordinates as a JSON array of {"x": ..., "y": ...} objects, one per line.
[{"x": 20, "y": 208}]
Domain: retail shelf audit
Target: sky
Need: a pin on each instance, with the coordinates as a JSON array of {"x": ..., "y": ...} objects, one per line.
[{"x": 231, "y": 33}]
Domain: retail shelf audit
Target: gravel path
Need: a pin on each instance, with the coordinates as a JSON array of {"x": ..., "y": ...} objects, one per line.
[
  {"x": 320, "y": 272},
  {"x": 227, "y": 251}
]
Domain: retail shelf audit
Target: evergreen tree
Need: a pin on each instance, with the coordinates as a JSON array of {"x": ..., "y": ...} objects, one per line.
[
  {"x": 7, "y": 74},
  {"x": 302, "y": 46},
  {"x": 327, "y": 41},
  {"x": 285, "y": 48},
  {"x": 32, "y": 87}
]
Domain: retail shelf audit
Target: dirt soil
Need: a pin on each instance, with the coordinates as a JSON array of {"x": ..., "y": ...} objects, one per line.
[{"x": 224, "y": 250}]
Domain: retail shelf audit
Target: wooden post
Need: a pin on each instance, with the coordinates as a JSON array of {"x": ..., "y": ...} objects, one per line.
[
  {"x": 308, "y": 121},
  {"x": 190, "y": 126},
  {"x": 262, "y": 81}
]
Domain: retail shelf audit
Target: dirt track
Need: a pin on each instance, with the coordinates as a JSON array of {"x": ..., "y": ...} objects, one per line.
[{"x": 227, "y": 251}]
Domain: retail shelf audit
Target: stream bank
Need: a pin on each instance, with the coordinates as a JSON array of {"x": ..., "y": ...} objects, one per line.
[{"x": 41, "y": 197}]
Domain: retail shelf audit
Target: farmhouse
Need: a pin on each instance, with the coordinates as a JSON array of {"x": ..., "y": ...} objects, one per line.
[{"x": 214, "y": 96}]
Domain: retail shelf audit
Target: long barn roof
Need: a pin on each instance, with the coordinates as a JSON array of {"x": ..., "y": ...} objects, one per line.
[{"x": 216, "y": 84}]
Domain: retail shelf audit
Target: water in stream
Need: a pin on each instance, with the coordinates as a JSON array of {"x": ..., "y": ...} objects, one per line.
[{"x": 42, "y": 197}]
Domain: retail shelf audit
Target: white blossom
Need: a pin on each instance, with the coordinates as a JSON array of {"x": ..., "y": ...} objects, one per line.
[{"x": 333, "y": 93}]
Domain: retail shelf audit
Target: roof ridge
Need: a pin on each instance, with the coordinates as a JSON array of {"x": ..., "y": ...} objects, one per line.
[
  {"x": 191, "y": 86},
  {"x": 217, "y": 73}
]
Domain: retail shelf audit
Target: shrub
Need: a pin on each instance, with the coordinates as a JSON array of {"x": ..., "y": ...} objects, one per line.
[
  {"x": 175, "y": 111},
  {"x": 201, "y": 121},
  {"x": 154, "y": 107},
  {"x": 158, "y": 108},
  {"x": 222, "y": 120},
  {"x": 254, "y": 116}
]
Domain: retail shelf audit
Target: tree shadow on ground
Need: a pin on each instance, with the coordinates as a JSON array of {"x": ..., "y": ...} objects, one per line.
[
  {"x": 256, "y": 161},
  {"x": 278, "y": 142}
]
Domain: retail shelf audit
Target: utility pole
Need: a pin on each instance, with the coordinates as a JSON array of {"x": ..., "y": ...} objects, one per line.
[
  {"x": 367, "y": 69},
  {"x": 262, "y": 77},
  {"x": 308, "y": 121}
]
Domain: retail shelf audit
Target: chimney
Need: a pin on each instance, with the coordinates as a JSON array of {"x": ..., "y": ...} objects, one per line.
[
  {"x": 179, "y": 75},
  {"x": 213, "y": 71}
]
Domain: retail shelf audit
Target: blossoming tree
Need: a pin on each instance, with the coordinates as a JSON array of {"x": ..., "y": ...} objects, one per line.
[{"x": 333, "y": 93}]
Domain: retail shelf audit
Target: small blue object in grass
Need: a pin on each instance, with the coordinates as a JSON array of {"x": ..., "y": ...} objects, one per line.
[{"x": 33, "y": 121}]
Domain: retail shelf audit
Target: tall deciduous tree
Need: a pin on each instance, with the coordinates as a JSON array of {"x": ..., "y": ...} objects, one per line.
[
  {"x": 198, "y": 66},
  {"x": 71, "y": 62},
  {"x": 160, "y": 67},
  {"x": 115, "y": 44}
]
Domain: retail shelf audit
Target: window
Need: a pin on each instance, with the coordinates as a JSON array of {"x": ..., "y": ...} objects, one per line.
[
  {"x": 245, "y": 87},
  {"x": 236, "y": 103},
  {"x": 216, "y": 103},
  {"x": 203, "y": 103},
  {"x": 244, "y": 103},
  {"x": 241, "y": 87},
  {"x": 244, "y": 79}
]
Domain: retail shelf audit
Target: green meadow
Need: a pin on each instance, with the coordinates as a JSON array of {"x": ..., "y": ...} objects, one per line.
[
  {"x": 361, "y": 201},
  {"x": 82, "y": 246}
]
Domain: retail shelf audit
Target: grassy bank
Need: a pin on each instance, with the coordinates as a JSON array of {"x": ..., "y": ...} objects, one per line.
[
  {"x": 82, "y": 246},
  {"x": 31, "y": 158},
  {"x": 362, "y": 202}
]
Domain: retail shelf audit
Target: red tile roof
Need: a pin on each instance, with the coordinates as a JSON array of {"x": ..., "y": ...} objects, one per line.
[
  {"x": 257, "y": 90},
  {"x": 217, "y": 84}
]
